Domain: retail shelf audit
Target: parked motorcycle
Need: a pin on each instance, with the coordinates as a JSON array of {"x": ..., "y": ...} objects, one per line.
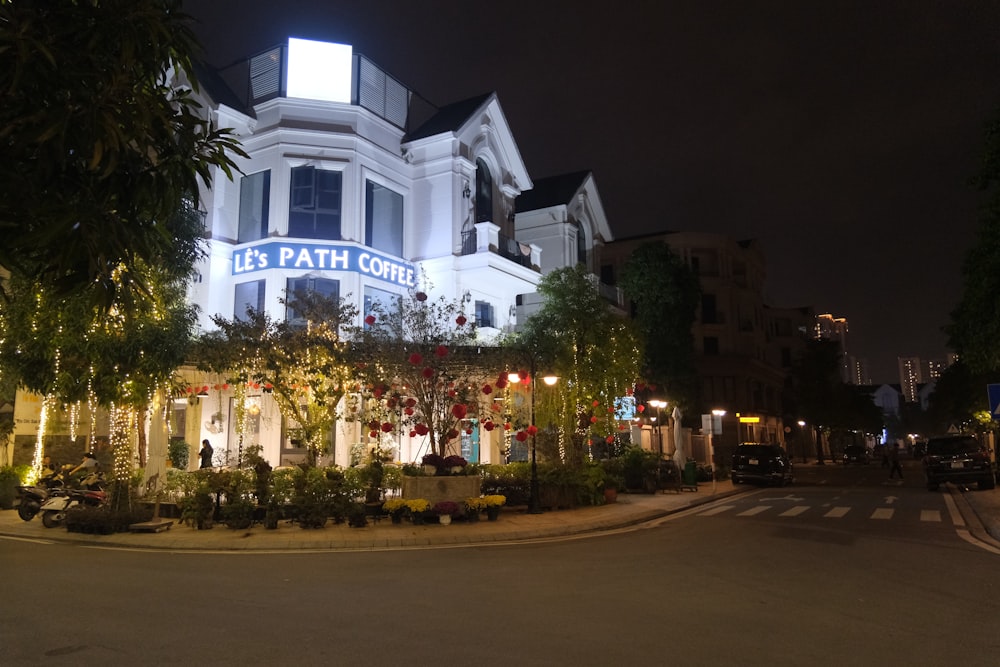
[
  {"x": 32, "y": 497},
  {"x": 54, "y": 509}
]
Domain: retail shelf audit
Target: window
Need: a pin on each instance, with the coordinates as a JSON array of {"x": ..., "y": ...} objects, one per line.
[
  {"x": 325, "y": 286},
  {"x": 484, "y": 192},
  {"x": 383, "y": 219},
  {"x": 249, "y": 296},
  {"x": 255, "y": 195},
  {"x": 484, "y": 314},
  {"x": 314, "y": 204},
  {"x": 386, "y": 303},
  {"x": 709, "y": 314},
  {"x": 711, "y": 345},
  {"x": 581, "y": 245}
]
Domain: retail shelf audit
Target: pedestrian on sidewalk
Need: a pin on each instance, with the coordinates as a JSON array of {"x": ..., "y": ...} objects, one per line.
[{"x": 894, "y": 466}]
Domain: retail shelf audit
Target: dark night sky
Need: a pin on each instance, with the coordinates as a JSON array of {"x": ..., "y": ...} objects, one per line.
[{"x": 842, "y": 135}]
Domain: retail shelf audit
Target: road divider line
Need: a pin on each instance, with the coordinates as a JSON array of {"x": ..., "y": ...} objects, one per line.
[
  {"x": 930, "y": 515},
  {"x": 882, "y": 513},
  {"x": 837, "y": 512},
  {"x": 795, "y": 511}
]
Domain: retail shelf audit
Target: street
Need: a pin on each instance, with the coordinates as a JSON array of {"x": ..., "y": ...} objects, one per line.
[{"x": 725, "y": 583}]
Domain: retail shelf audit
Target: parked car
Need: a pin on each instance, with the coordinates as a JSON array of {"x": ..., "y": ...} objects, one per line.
[
  {"x": 755, "y": 462},
  {"x": 958, "y": 458},
  {"x": 856, "y": 454}
]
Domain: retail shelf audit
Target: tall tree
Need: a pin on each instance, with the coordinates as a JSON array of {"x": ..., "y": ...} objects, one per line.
[
  {"x": 975, "y": 323},
  {"x": 101, "y": 138},
  {"x": 665, "y": 294},
  {"x": 304, "y": 362},
  {"x": 596, "y": 354}
]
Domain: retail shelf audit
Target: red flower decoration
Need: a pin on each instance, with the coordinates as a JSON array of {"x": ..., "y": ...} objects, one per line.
[
  {"x": 408, "y": 411},
  {"x": 410, "y": 402},
  {"x": 487, "y": 389},
  {"x": 370, "y": 320},
  {"x": 521, "y": 436},
  {"x": 268, "y": 386},
  {"x": 489, "y": 426},
  {"x": 452, "y": 434},
  {"x": 216, "y": 387},
  {"x": 225, "y": 385},
  {"x": 428, "y": 373},
  {"x": 420, "y": 296},
  {"x": 413, "y": 434},
  {"x": 532, "y": 430},
  {"x": 460, "y": 320},
  {"x": 372, "y": 425},
  {"x": 468, "y": 431},
  {"x": 641, "y": 408},
  {"x": 459, "y": 411},
  {"x": 372, "y": 434},
  {"x": 421, "y": 429},
  {"x": 501, "y": 382},
  {"x": 387, "y": 427},
  {"x": 593, "y": 420},
  {"x": 507, "y": 426},
  {"x": 416, "y": 359},
  {"x": 596, "y": 403},
  {"x": 441, "y": 351},
  {"x": 609, "y": 439}
]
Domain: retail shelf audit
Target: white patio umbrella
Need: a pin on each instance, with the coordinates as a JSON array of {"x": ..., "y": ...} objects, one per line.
[{"x": 679, "y": 456}]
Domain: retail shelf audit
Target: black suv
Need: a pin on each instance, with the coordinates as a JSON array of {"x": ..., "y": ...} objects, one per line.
[
  {"x": 753, "y": 462},
  {"x": 958, "y": 458}
]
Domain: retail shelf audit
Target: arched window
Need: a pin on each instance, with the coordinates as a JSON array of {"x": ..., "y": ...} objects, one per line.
[
  {"x": 581, "y": 245},
  {"x": 484, "y": 192}
]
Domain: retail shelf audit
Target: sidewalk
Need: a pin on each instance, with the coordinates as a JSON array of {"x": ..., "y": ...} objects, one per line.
[
  {"x": 512, "y": 526},
  {"x": 978, "y": 507}
]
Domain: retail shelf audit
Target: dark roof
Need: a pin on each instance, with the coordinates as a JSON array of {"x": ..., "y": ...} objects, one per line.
[
  {"x": 218, "y": 90},
  {"x": 448, "y": 118},
  {"x": 551, "y": 191}
]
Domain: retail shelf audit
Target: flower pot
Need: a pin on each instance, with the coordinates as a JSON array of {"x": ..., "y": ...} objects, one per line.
[
  {"x": 418, "y": 519},
  {"x": 610, "y": 495},
  {"x": 492, "y": 513},
  {"x": 396, "y": 517},
  {"x": 430, "y": 470},
  {"x": 444, "y": 519}
]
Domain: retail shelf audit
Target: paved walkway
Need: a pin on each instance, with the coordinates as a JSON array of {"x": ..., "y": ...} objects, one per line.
[{"x": 981, "y": 509}]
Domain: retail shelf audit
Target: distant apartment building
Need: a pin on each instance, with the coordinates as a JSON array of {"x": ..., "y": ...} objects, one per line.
[
  {"x": 912, "y": 373},
  {"x": 744, "y": 349},
  {"x": 852, "y": 369}
]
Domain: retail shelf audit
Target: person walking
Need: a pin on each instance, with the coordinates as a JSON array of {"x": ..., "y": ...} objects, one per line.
[
  {"x": 894, "y": 465},
  {"x": 206, "y": 454}
]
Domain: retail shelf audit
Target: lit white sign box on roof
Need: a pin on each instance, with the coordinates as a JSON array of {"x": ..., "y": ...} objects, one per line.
[
  {"x": 319, "y": 70},
  {"x": 325, "y": 257}
]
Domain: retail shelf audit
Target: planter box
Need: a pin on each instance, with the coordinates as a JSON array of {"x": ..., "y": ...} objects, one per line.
[{"x": 436, "y": 489}]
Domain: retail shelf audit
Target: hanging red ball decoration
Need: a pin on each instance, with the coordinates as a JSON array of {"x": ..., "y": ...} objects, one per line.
[
  {"x": 416, "y": 359},
  {"x": 370, "y": 320},
  {"x": 441, "y": 351},
  {"x": 460, "y": 320},
  {"x": 521, "y": 436},
  {"x": 489, "y": 426},
  {"x": 487, "y": 389},
  {"x": 387, "y": 427},
  {"x": 420, "y": 296},
  {"x": 609, "y": 439},
  {"x": 532, "y": 430},
  {"x": 428, "y": 372},
  {"x": 593, "y": 420}
]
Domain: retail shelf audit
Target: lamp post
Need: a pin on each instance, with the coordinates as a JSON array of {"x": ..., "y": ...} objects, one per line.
[
  {"x": 534, "y": 502},
  {"x": 659, "y": 405}
]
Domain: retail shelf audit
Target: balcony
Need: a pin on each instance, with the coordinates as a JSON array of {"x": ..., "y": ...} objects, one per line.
[{"x": 486, "y": 237}]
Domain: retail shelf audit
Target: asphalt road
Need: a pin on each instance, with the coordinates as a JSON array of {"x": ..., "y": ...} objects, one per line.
[{"x": 723, "y": 584}]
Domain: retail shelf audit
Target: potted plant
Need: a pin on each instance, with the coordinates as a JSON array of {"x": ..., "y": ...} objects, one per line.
[
  {"x": 179, "y": 452},
  {"x": 417, "y": 509},
  {"x": 395, "y": 508},
  {"x": 433, "y": 464},
  {"x": 454, "y": 464},
  {"x": 493, "y": 504},
  {"x": 10, "y": 479},
  {"x": 473, "y": 506},
  {"x": 445, "y": 510},
  {"x": 198, "y": 508}
]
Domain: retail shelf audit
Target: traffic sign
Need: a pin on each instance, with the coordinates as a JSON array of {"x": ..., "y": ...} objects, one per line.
[{"x": 994, "y": 392}]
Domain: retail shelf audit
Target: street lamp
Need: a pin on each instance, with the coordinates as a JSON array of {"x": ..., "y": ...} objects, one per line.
[
  {"x": 534, "y": 502},
  {"x": 659, "y": 405}
]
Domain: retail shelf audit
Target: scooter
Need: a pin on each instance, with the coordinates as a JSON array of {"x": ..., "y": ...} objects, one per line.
[
  {"x": 33, "y": 496},
  {"x": 54, "y": 509}
]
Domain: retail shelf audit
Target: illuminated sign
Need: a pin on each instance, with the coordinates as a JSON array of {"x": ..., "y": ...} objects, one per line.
[
  {"x": 749, "y": 420},
  {"x": 319, "y": 70},
  {"x": 326, "y": 257}
]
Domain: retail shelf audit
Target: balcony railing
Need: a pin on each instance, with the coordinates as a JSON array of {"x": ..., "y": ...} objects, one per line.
[{"x": 486, "y": 237}]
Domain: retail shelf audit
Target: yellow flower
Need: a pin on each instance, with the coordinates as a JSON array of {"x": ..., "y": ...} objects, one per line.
[
  {"x": 494, "y": 501},
  {"x": 394, "y": 505},
  {"x": 418, "y": 505},
  {"x": 475, "y": 504}
]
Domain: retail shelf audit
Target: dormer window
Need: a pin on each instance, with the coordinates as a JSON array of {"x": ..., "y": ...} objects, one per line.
[{"x": 484, "y": 192}]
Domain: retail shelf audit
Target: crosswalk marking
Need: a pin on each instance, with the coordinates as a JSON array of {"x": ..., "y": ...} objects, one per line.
[
  {"x": 795, "y": 511},
  {"x": 717, "y": 510},
  {"x": 755, "y": 510},
  {"x": 838, "y": 512}
]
